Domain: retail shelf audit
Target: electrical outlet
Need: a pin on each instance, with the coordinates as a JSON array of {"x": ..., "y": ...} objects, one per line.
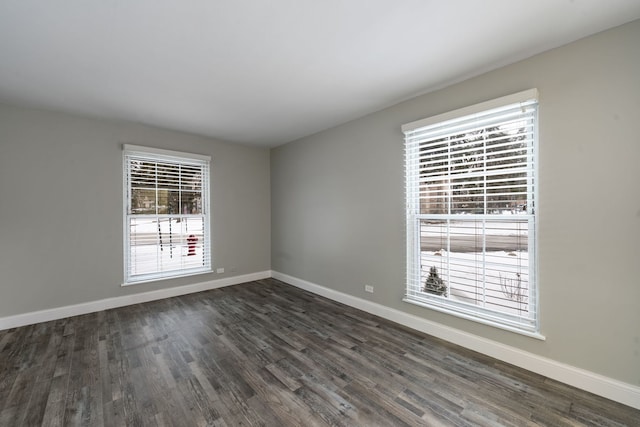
[
  {"x": 220, "y": 270},
  {"x": 368, "y": 288}
]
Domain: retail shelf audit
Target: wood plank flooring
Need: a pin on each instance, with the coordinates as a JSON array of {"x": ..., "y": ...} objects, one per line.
[{"x": 268, "y": 354}]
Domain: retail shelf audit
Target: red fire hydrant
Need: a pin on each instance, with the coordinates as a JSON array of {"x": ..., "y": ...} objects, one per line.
[{"x": 191, "y": 242}]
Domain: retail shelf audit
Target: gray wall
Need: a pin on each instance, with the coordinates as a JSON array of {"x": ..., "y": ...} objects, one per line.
[
  {"x": 338, "y": 203},
  {"x": 61, "y": 208}
]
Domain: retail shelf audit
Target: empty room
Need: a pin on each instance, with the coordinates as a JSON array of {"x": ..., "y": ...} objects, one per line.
[{"x": 320, "y": 213}]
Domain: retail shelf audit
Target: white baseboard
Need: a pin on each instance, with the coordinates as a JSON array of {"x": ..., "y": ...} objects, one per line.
[
  {"x": 105, "y": 304},
  {"x": 619, "y": 391}
]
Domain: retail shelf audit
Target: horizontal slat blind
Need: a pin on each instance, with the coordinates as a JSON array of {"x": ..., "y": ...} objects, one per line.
[
  {"x": 470, "y": 186},
  {"x": 167, "y": 214}
]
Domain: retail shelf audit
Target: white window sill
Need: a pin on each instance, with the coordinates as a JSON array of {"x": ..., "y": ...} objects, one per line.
[
  {"x": 165, "y": 277},
  {"x": 495, "y": 324}
]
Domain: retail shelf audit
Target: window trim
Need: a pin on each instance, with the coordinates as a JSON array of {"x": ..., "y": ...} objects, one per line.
[
  {"x": 462, "y": 310},
  {"x": 175, "y": 156}
]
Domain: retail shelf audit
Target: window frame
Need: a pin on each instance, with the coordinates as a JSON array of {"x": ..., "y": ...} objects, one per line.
[
  {"x": 530, "y": 325},
  {"x": 152, "y": 154}
]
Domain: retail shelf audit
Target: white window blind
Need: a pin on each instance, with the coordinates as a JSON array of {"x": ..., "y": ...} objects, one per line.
[
  {"x": 166, "y": 218},
  {"x": 471, "y": 213}
]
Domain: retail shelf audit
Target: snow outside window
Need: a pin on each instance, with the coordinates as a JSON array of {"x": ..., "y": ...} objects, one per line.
[
  {"x": 166, "y": 218},
  {"x": 471, "y": 212}
]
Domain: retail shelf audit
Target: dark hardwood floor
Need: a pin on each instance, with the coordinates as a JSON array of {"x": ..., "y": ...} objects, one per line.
[{"x": 266, "y": 353}]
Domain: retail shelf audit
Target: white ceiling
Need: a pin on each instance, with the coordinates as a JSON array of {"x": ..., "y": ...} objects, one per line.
[{"x": 266, "y": 72}]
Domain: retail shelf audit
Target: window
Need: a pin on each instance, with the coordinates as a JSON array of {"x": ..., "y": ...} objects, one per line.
[
  {"x": 166, "y": 217},
  {"x": 471, "y": 212}
]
